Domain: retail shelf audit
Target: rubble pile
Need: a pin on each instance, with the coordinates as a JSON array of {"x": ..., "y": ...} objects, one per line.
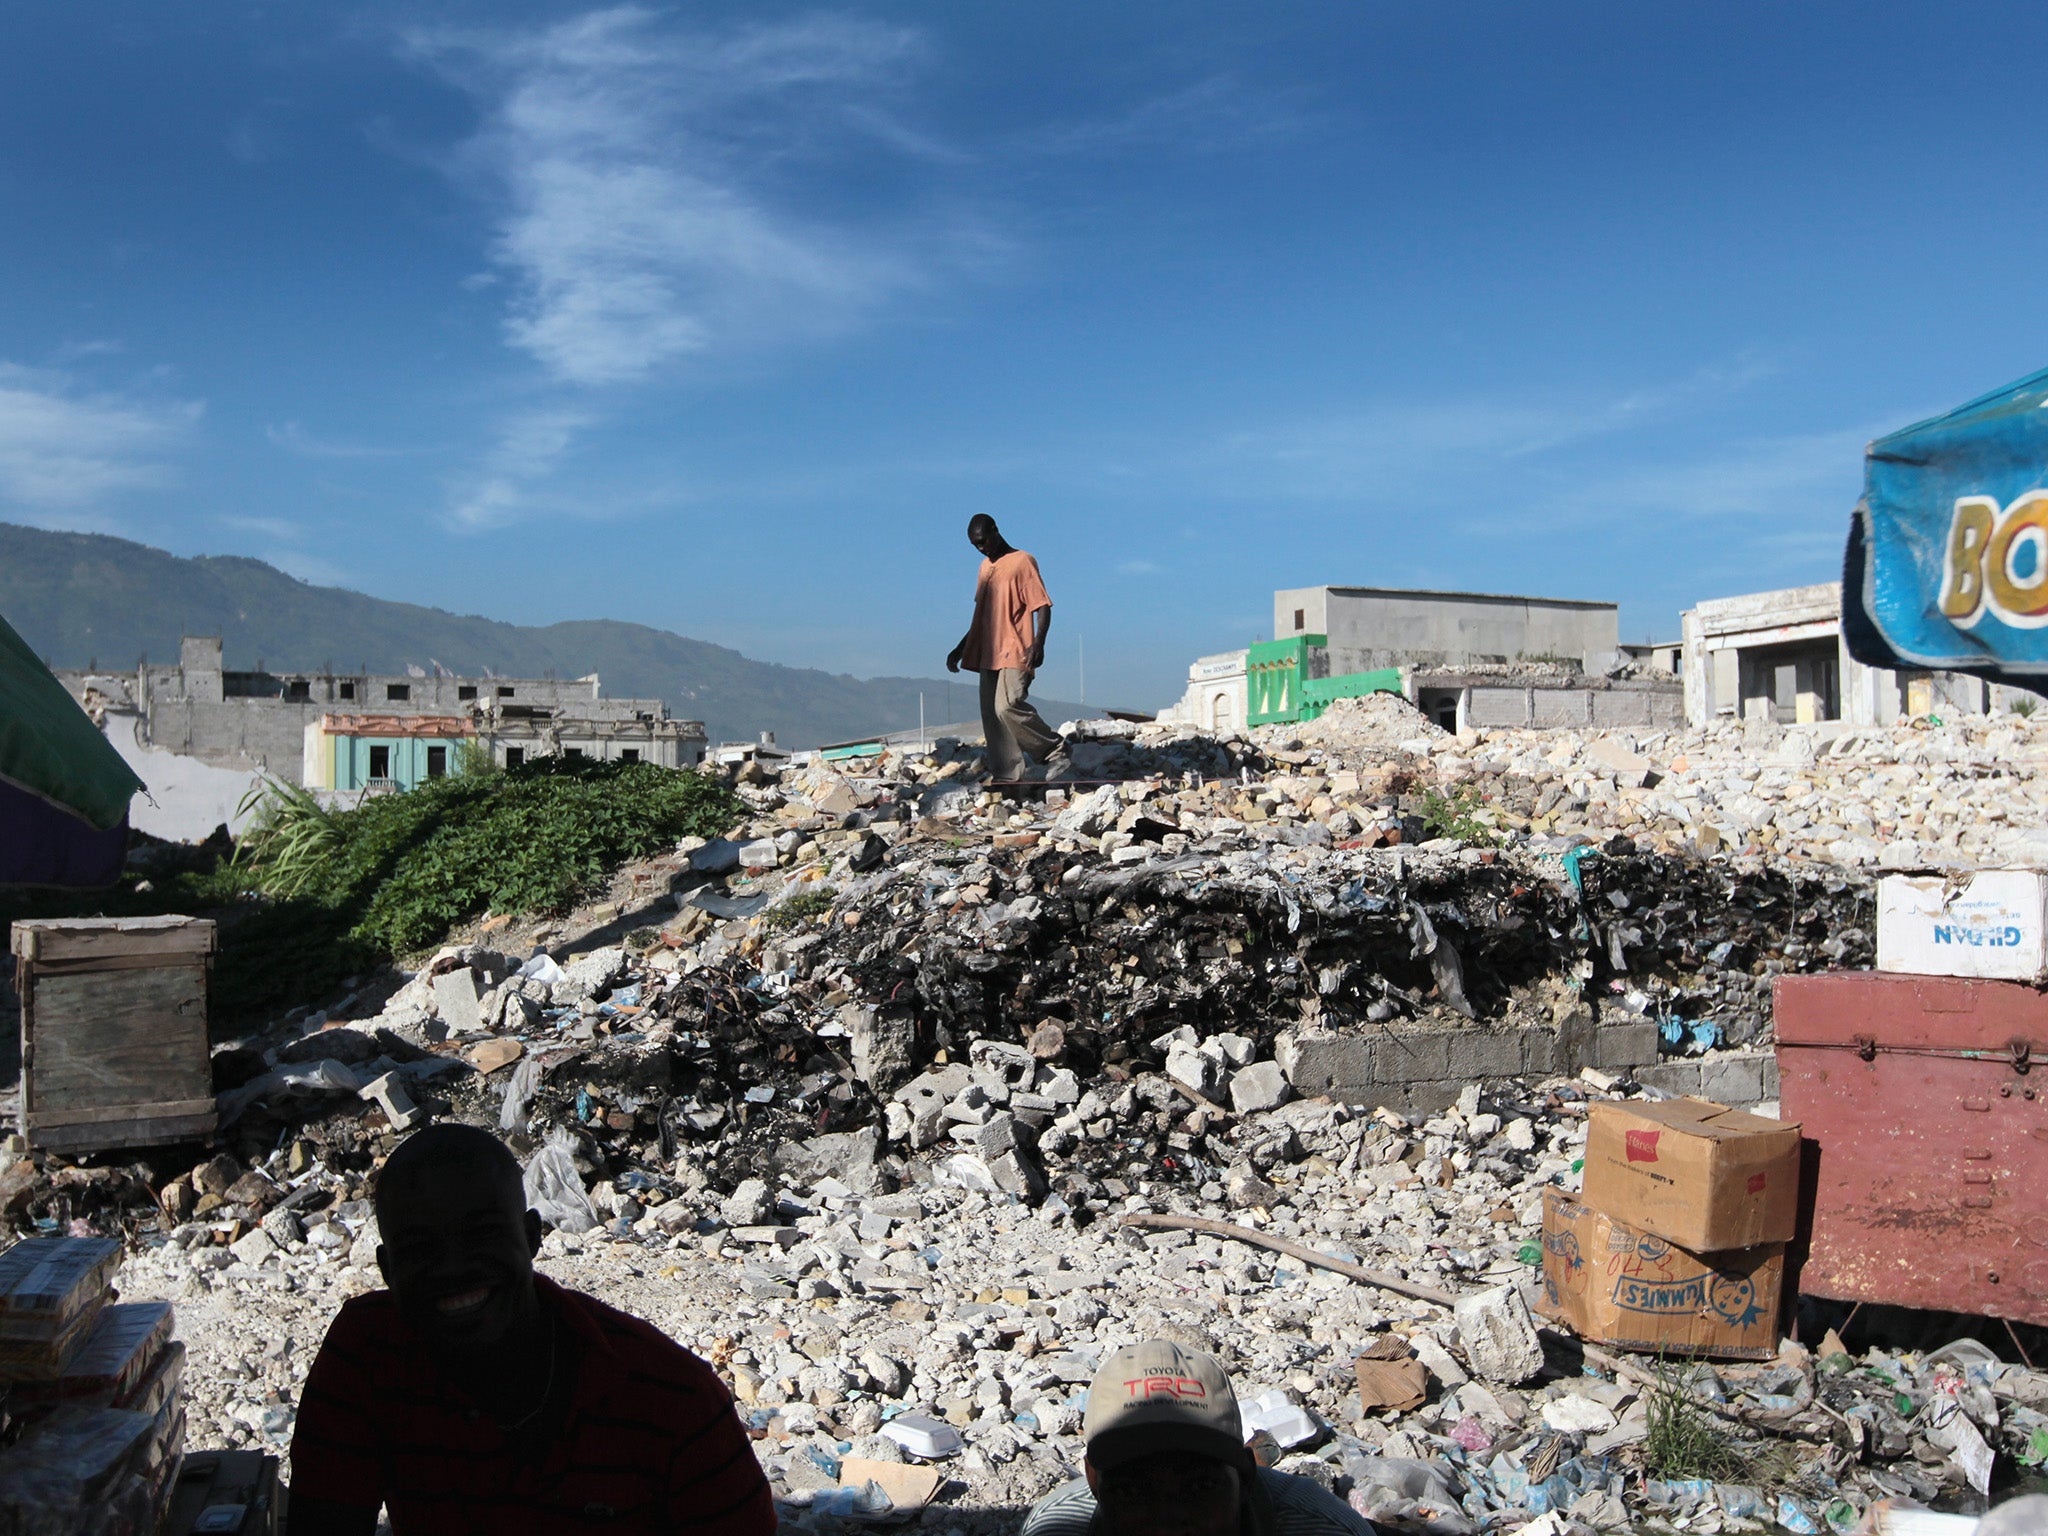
[
  {"x": 869, "y": 1102},
  {"x": 940, "y": 1323},
  {"x": 1967, "y": 792}
]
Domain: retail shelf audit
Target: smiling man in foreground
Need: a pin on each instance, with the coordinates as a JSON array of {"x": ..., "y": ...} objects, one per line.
[{"x": 477, "y": 1396}]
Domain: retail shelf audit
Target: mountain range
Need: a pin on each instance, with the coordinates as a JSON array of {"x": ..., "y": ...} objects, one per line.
[{"x": 87, "y": 598}]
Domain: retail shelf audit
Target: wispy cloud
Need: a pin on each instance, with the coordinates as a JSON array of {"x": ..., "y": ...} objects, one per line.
[
  {"x": 284, "y": 546},
  {"x": 64, "y": 448},
  {"x": 294, "y": 438},
  {"x": 1405, "y": 445},
  {"x": 530, "y": 448},
  {"x": 646, "y": 179}
]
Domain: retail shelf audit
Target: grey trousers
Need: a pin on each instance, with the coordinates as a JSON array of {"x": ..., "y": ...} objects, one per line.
[{"x": 1013, "y": 729}]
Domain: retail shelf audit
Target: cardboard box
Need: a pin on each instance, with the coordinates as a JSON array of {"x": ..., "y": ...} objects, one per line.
[
  {"x": 1612, "y": 1284},
  {"x": 1695, "y": 1173},
  {"x": 1992, "y": 925}
]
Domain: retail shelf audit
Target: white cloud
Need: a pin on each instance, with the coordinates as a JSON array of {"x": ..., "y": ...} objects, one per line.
[
  {"x": 644, "y": 179},
  {"x": 64, "y": 449},
  {"x": 530, "y": 447},
  {"x": 294, "y": 438}
]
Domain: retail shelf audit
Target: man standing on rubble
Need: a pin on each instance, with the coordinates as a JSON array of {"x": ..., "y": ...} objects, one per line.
[
  {"x": 1166, "y": 1456},
  {"x": 1006, "y": 645},
  {"x": 475, "y": 1396}
]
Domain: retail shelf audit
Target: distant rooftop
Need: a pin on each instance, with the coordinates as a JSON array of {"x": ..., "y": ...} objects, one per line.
[{"x": 1489, "y": 597}]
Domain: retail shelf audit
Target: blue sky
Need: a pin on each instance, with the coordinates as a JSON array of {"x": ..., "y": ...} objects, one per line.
[{"x": 724, "y": 318}]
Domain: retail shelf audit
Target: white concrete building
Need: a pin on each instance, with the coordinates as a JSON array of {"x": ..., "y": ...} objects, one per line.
[
  {"x": 1215, "y": 697},
  {"x": 1780, "y": 656}
]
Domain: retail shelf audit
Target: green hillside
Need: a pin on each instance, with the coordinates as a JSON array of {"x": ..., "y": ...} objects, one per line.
[{"x": 80, "y": 597}]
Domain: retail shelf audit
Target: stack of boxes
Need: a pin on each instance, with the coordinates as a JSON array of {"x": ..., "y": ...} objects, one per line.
[
  {"x": 1922, "y": 1091},
  {"x": 91, "y": 1426},
  {"x": 1678, "y": 1244}
]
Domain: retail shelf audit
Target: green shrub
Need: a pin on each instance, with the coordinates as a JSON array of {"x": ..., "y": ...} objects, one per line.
[
  {"x": 1457, "y": 815},
  {"x": 1685, "y": 1439},
  {"x": 799, "y": 909},
  {"x": 399, "y": 871}
]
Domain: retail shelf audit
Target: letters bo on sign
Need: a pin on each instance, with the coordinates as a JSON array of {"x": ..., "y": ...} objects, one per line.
[{"x": 1948, "y": 560}]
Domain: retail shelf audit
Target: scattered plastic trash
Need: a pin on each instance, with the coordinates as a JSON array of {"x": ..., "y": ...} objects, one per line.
[
  {"x": 555, "y": 1189},
  {"x": 922, "y": 1435}
]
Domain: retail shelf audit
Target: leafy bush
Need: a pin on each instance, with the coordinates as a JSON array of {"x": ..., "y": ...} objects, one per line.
[
  {"x": 399, "y": 871},
  {"x": 1457, "y": 815},
  {"x": 314, "y": 897}
]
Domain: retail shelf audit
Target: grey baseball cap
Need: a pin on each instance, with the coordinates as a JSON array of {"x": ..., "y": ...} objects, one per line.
[{"x": 1157, "y": 1396}]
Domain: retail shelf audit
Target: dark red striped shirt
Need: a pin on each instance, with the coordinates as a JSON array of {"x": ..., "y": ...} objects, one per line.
[{"x": 650, "y": 1443}]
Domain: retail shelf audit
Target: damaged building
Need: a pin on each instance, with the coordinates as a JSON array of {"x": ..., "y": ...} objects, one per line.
[
  {"x": 200, "y": 732},
  {"x": 1780, "y": 656},
  {"x": 1466, "y": 659}
]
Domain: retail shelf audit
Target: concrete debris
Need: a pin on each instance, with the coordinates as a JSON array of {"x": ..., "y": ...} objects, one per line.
[
  {"x": 853, "y": 1100},
  {"x": 1499, "y": 1336}
]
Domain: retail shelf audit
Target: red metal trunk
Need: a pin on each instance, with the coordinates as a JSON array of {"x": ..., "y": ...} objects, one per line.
[{"x": 1931, "y": 1128}]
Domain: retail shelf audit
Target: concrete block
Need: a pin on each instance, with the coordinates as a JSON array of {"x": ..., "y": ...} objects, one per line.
[
  {"x": 1195, "y": 1067},
  {"x": 1625, "y": 1045},
  {"x": 1017, "y": 1174},
  {"x": 747, "y": 1205},
  {"x": 388, "y": 1094},
  {"x": 1737, "y": 1081},
  {"x": 1540, "y": 1053},
  {"x": 1260, "y": 1086},
  {"x": 1477, "y": 1053},
  {"x": 284, "y": 1229},
  {"x": 253, "y": 1247},
  {"x": 997, "y": 1136},
  {"x": 884, "y": 1046},
  {"x": 926, "y": 1098},
  {"x": 1418, "y": 1101},
  {"x": 1317, "y": 1064},
  {"x": 1413, "y": 1057},
  {"x": 455, "y": 995},
  {"x": 1499, "y": 1336},
  {"x": 1681, "y": 1078}
]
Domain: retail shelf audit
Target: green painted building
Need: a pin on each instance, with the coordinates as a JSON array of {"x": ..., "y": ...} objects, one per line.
[{"x": 1281, "y": 685}]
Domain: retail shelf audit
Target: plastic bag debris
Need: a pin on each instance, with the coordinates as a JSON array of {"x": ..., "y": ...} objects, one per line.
[{"x": 555, "y": 1189}]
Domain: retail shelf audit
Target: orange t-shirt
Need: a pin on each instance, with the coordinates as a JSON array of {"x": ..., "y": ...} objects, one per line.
[{"x": 1006, "y": 594}]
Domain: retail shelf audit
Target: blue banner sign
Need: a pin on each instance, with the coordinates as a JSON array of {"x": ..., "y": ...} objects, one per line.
[{"x": 1947, "y": 566}]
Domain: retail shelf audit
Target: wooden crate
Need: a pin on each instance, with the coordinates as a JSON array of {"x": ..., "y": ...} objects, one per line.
[{"x": 113, "y": 1031}]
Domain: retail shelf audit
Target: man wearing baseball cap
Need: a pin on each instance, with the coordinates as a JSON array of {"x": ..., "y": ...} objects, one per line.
[{"x": 1166, "y": 1457}]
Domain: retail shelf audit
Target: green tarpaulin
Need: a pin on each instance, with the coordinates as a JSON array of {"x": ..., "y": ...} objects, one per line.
[{"x": 50, "y": 747}]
